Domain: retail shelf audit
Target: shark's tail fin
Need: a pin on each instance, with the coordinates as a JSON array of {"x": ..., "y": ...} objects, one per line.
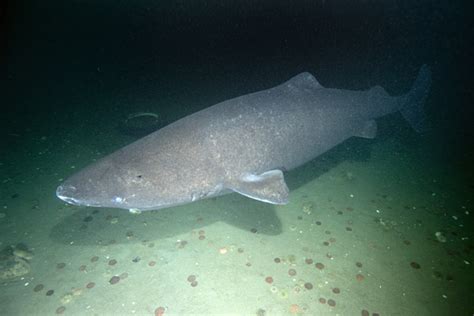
[{"x": 412, "y": 102}]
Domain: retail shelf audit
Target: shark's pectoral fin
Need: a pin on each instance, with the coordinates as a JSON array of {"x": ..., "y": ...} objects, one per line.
[
  {"x": 267, "y": 187},
  {"x": 368, "y": 130}
]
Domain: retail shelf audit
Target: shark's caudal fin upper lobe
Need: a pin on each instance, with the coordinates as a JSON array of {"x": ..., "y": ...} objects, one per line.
[{"x": 412, "y": 103}]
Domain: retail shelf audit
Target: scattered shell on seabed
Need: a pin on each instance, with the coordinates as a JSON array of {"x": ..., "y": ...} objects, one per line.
[
  {"x": 307, "y": 207},
  {"x": 140, "y": 114},
  {"x": 440, "y": 237}
]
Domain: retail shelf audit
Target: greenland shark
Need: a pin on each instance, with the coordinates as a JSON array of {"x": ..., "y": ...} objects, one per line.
[{"x": 240, "y": 145}]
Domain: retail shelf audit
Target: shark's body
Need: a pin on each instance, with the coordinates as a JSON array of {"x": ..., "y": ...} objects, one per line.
[{"x": 239, "y": 145}]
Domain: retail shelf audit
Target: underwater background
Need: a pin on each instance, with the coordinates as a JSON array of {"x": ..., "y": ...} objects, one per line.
[{"x": 374, "y": 227}]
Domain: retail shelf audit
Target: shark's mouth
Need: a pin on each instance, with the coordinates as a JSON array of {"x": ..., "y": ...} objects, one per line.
[{"x": 64, "y": 193}]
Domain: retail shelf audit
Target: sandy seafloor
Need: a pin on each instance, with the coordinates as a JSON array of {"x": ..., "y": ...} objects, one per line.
[{"x": 368, "y": 211}]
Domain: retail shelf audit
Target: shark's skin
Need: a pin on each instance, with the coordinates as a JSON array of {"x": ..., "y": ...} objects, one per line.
[{"x": 239, "y": 145}]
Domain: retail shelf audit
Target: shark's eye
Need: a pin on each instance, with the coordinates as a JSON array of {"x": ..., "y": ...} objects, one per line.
[{"x": 139, "y": 176}]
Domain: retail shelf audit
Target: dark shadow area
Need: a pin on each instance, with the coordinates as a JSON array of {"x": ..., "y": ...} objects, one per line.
[{"x": 89, "y": 226}]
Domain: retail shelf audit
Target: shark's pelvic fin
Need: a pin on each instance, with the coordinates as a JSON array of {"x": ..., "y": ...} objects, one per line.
[
  {"x": 368, "y": 130},
  {"x": 267, "y": 187}
]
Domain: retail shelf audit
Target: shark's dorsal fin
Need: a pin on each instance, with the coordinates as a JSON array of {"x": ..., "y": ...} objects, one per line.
[
  {"x": 304, "y": 80},
  {"x": 267, "y": 187}
]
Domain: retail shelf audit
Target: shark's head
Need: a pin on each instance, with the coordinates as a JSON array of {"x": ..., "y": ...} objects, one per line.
[
  {"x": 104, "y": 184},
  {"x": 134, "y": 185}
]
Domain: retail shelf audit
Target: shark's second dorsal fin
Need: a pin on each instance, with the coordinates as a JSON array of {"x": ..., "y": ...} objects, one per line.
[
  {"x": 267, "y": 187},
  {"x": 304, "y": 80}
]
